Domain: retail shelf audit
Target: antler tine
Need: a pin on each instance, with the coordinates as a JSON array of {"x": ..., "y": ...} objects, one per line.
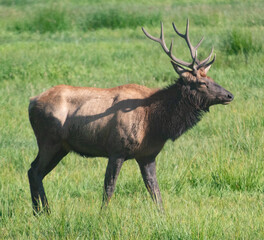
[
  {"x": 171, "y": 45},
  {"x": 210, "y": 63},
  {"x": 163, "y": 44},
  {"x": 161, "y": 40},
  {"x": 180, "y": 34},
  {"x": 202, "y": 63},
  {"x": 187, "y": 39},
  {"x": 150, "y": 37},
  {"x": 199, "y": 43}
]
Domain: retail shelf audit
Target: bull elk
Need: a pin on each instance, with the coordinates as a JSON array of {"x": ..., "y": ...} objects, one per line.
[{"x": 120, "y": 123}]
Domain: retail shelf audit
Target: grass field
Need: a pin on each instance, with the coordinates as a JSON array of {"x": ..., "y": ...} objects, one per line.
[{"x": 211, "y": 179}]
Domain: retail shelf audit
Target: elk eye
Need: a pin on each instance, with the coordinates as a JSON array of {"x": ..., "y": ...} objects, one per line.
[{"x": 203, "y": 84}]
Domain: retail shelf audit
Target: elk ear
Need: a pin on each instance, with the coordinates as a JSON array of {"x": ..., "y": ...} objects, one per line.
[{"x": 206, "y": 69}]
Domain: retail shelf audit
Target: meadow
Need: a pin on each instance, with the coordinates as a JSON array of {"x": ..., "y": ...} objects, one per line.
[{"x": 211, "y": 178}]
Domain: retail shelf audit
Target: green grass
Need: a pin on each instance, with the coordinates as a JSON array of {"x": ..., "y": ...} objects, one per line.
[
  {"x": 211, "y": 179},
  {"x": 238, "y": 42},
  {"x": 58, "y": 18}
]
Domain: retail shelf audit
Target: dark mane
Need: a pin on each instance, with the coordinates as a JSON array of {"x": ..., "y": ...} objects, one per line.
[{"x": 177, "y": 109}]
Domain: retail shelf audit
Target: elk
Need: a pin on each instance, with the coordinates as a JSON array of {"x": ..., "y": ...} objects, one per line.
[{"x": 125, "y": 122}]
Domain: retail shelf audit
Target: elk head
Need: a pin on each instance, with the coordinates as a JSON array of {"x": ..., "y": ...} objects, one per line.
[{"x": 194, "y": 74}]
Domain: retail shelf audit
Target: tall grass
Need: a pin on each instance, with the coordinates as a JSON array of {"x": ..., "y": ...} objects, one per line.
[
  {"x": 241, "y": 42},
  {"x": 120, "y": 18},
  {"x": 46, "y": 20},
  {"x": 58, "y": 18}
]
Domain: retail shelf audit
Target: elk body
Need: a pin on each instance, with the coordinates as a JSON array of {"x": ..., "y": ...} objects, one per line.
[{"x": 121, "y": 123}]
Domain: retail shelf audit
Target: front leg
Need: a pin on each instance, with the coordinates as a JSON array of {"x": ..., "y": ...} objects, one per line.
[
  {"x": 111, "y": 174},
  {"x": 148, "y": 171}
]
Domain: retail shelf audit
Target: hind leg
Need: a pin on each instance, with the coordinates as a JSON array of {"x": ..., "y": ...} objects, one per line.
[
  {"x": 52, "y": 164},
  {"x": 46, "y": 160},
  {"x": 34, "y": 188}
]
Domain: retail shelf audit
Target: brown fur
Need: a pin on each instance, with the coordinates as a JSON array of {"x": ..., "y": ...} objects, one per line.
[{"x": 105, "y": 119}]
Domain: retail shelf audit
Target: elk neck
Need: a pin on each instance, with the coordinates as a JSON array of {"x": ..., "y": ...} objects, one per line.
[{"x": 175, "y": 109}]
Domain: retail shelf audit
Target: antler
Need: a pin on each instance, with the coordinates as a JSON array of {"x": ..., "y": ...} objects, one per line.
[
  {"x": 193, "y": 50},
  {"x": 161, "y": 40},
  {"x": 195, "y": 64}
]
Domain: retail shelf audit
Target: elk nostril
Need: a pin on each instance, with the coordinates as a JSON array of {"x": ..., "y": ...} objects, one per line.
[{"x": 230, "y": 96}]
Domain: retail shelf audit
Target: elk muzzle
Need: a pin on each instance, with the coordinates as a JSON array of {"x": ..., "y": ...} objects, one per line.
[{"x": 222, "y": 96}]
